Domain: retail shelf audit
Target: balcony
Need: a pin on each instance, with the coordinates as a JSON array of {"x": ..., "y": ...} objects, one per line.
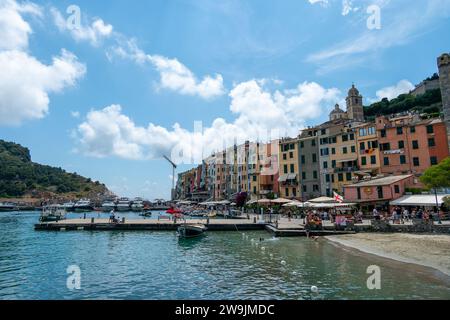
[{"x": 346, "y": 170}]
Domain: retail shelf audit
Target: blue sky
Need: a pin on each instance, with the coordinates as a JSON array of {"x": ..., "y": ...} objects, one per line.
[{"x": 108, "y": 96}]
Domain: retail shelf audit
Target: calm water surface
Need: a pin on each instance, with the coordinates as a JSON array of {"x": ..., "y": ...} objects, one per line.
[{"x": 146, "y": 265}]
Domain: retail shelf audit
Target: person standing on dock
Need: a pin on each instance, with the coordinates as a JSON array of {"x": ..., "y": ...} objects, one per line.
[{"x": 375, "y": 214}]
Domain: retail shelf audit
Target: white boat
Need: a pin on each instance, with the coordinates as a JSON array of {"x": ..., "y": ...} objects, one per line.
[
  {"x": 53, "y": 213},
  {"x": 7, "y": 206},
  {"x": 84, "y": 205},
  {"x": 69, "y": 206},
  {"x": 137, "y": 205},
  {"x": 123, "y": 205},
  {"x": 187, "y": 231},
  {"x": 108, "y": 206}
]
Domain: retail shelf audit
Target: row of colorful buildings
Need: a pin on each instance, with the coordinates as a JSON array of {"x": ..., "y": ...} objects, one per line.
[
  {"x": 346, "y": 154},
  {"x": 320, "y": 160}
]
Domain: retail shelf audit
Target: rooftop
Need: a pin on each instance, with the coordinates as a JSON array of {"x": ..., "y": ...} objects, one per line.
[{"x": 381, "y": 181}]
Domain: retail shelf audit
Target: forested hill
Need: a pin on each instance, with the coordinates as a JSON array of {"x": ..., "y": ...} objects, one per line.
[
  {"x": 19, "y": 176},
  {"x": 428, "y": 103}
]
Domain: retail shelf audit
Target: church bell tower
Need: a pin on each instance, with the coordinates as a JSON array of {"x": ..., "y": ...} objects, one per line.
[{"x": 355, "y": 108}]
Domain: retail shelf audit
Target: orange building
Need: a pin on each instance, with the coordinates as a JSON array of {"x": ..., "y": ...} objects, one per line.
[{"x": 410, "y": 145}]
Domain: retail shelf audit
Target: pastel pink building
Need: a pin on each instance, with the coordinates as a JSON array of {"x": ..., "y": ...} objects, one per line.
[{"x": 378, "y": 191}]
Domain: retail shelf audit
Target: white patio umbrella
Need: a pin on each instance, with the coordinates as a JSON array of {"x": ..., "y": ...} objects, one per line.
[
  {"x": 292, "y": 204},
  {"x": 280, "y": 201}
]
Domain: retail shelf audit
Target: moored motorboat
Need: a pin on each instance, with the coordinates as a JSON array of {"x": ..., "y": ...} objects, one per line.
[
  {"x": 53, "y": 213},
  {"x": 8, "y": 207},
  {"x": 123, "y": 205},
  {"x": 69, "y": 206},
  {"x": 137, "y": 205},
  {"x": 84, "y": 205},
  {"x": 197, "y": 214},
  {"x": 212, "y": 214},
  {"x": 146, "y": 213},
  {"x": 187, "y": 231},
  {"x": 108, "y": 206}
]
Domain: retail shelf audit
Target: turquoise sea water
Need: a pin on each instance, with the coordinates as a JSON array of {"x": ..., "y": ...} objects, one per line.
[{"x": 221, "y": 265}]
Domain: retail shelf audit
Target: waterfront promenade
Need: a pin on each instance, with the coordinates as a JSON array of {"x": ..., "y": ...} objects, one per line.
[{"x": 280, "y": 227}]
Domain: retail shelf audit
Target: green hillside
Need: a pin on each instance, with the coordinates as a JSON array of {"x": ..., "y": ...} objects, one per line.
[
  {"x": 428, "y": 103},
  {"x": 19, "y": 176}
]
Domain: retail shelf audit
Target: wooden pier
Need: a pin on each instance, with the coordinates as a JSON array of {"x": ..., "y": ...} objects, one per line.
[
  {"x": 166, "y": 225},
  {"x": 283, "y": 233},
  {"x": 147, "y": 225},
  {"x": 281, "y": 228}
]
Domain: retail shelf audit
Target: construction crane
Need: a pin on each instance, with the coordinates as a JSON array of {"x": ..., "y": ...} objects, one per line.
[{"x": 174, "y": 166}]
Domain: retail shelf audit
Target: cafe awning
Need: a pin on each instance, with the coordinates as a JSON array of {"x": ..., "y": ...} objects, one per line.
[
  {"x": 420, "y": 200},
  {"x": 283, "y": 178},
  {"x": 322, "y": 200}
]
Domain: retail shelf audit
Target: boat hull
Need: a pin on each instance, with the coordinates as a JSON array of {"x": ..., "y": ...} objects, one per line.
[
  {"x": 51, "y": 219},
  {"x": 84, "y": 209},
  {"x": 189, "y": 231},
  {"x": 108, "y": 209}
]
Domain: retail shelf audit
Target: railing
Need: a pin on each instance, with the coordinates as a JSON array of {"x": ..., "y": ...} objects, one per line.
[{"x": 346, "y": 170}]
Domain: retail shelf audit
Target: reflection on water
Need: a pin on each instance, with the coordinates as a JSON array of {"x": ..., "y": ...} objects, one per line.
[{"x": 220, "y": 265}]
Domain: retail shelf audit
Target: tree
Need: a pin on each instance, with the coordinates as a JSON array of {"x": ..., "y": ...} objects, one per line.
[
  {"x": 241, "y": 198},
  {"x": 447, "y": 202},
  {"x": 437, "y": 177}
]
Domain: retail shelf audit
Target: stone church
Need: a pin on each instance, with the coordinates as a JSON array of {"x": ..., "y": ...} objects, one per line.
[{"x": 355, "y": 109}]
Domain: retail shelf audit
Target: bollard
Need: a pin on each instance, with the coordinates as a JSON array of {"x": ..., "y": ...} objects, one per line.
[
  {"x": 92, "y": 220},
  {"x": 254, "y": 220},
  {"x": 123, "y": 220}
]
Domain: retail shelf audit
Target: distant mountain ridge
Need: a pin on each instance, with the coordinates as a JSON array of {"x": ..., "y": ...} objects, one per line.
[{"x": 19, "y": 176}]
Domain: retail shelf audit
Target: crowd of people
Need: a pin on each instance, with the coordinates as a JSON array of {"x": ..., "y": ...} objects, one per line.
[
  {"x": 400, "y": 215},
  {"x": 396, "y": 215}
]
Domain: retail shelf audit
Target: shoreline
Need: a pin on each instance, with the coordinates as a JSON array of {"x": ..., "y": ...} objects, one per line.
[{"x": 431, "y": 251}]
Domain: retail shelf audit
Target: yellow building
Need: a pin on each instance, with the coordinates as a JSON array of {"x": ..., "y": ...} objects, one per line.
[
  {"x": 344, "y": 158},
  {"x": 289, "y": 168},
  {"x": 368, "y": 151}
]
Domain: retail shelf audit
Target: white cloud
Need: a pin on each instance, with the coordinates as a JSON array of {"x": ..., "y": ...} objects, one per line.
[
  {"x": 93, "y": 33},
  {"x": 348, "y": 7},
  {"x": 403, "y": 86},
  {"x": 25, "y": 82},
  {"x": 14, "y": 29},
  {"x": 108, "y": 132},
  {"x": 174, "y": 75},
  {"x": 402, "y": 21},
  {"x": 75, "y": 114},
  {"x": 321, "y": 2},
  {"x": 177, "y": 77}
]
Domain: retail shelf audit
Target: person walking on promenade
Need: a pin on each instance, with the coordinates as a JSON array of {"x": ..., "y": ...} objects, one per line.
[
  {"x": 405, "y": 215},
  {"x": 420, "y": 214}
]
